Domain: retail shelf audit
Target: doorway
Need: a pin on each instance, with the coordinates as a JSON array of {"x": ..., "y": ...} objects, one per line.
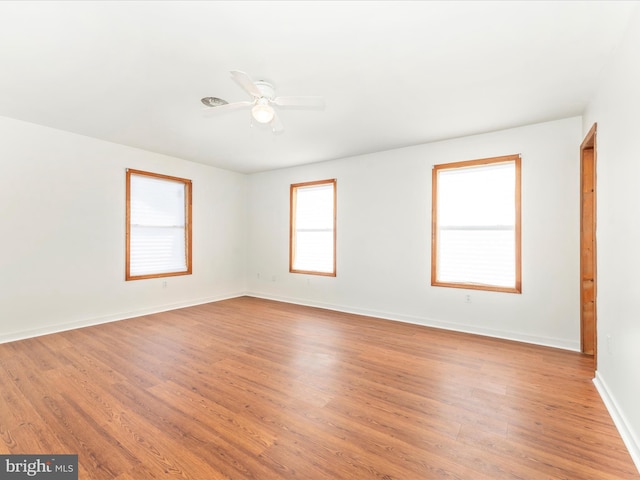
[{"x": 588, "y": 318}]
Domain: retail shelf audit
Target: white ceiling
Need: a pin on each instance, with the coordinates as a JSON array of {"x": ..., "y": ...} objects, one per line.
[{"x": 392, "y": 73}]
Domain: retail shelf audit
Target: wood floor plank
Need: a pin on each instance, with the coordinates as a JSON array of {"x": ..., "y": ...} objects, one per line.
[
  {"x": 217, "y": 419},
  {"x": 248, "y": 388}
]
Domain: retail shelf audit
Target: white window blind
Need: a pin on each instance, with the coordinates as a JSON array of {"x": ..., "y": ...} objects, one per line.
[
  {"x": 313, "y": 225},
  {"x": 476, "y": 225},
  {"x": 157, "y": 226}
]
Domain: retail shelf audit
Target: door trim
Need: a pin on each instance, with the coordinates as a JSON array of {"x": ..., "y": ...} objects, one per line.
[{"x": 588, "y": 260}]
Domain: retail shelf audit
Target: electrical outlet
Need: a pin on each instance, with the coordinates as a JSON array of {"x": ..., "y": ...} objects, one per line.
[
  {"x": 467, "y": 298},
  {"x": 164, "y": 284},
  {"x": 609, "y": 344}
]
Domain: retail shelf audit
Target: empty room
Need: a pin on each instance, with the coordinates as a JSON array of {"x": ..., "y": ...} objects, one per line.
[{"x": 319, "y": 240}]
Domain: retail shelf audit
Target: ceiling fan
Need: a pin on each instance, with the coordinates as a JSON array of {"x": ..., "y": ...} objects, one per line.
[{"x": 263, "y": 101}]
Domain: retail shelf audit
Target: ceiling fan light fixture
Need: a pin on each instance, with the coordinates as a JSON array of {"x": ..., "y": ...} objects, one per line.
[{"x": 262, "y": 112}]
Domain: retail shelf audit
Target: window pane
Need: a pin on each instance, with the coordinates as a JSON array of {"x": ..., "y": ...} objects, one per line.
[
  {"x": 157, "y": 250},
  {"x": 314, "y": 207},
  {"x": 485, "y": 257},
  {"x": 477, "y": 195},
  {"x": 314, "y": 251},
  {"x": 156, "y": 201}
]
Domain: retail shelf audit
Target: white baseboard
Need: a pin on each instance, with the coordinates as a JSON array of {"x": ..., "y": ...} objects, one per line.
[
  {"x": 88, "y": 322},
  {"x": 632, "y": 443},
  {"x": 425, "y": 321},
  {"x": 430, "y": 322}
]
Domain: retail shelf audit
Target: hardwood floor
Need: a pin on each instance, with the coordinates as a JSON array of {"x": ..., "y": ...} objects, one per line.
[{"x": 255, "y": 389}]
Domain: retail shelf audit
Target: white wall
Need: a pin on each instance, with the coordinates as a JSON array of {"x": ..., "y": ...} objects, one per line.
[
  {"x": 616, "y": 109},
  {"x": 383, "y": 237},
  {"x": 62, "y": 225}
]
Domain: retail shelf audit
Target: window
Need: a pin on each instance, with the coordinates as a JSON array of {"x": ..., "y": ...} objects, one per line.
[
  {"x": 476, "y": 224},
  {"x": 158, "y": 226},
  {"x": 312, "y": 228}
]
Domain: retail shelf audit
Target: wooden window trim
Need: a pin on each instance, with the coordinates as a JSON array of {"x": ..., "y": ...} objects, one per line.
[
  {"x": 188, "y": 225},
  {"x": 518, "y": 222},
  {"x": 292, "y": 227}
]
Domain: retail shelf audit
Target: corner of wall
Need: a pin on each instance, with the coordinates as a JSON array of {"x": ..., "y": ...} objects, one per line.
[{"x": 626, "y": 432}]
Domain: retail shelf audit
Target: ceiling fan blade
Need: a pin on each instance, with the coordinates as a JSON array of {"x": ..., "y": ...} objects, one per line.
[
  {"x": 226, "y": 107},
  {"x": 276, "y": 124},
  {"x": 246, "y": 83},
  {"x": 317, "y": 102}
]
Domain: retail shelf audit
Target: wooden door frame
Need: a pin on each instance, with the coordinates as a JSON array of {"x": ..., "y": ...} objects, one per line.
[{"x": 588, "y": 263}]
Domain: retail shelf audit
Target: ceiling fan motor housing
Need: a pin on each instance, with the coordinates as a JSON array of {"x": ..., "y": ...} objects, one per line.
[{"x": 266, "y": 89}]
